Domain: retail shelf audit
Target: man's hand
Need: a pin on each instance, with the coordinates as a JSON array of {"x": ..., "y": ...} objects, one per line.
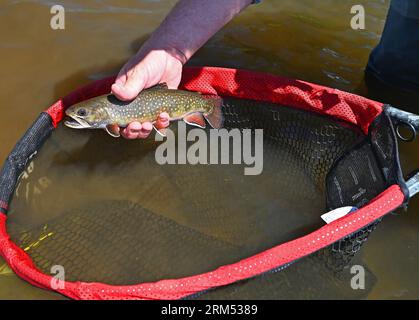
[
  {"x": 141, "y": 72},
  {"x": 187, "y": 27}
]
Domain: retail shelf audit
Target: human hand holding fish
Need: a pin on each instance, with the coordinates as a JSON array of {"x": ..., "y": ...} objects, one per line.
[
  {"x": 143, "y": 71},
  {"x": 144, "y": 97}
]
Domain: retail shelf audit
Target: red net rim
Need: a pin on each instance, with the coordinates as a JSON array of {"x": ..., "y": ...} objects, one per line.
[{"x": 265, "y": 261}]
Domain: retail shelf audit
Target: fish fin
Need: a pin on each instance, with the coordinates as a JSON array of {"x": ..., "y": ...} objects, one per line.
[
  {"x": 214, "y": 100},
  {"x": 161, "y": 132},
  {"x": 195, "y": 119},
  {"x": 113, "y": 130},
  {"x": 216, "y": 118},
  {"x": 159, "y": 86}
]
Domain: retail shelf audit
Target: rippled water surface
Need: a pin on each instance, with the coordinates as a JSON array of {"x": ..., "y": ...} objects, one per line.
[{"x": 309, "y": 40}]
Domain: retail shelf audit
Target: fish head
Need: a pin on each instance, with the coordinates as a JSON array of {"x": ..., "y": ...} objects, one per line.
[{"x": 89, "y": 114}]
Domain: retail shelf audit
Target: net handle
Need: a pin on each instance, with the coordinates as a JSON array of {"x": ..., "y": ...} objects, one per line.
[
  {"x": 413, "y": 185},
  {"x": 408, "y": 120}
]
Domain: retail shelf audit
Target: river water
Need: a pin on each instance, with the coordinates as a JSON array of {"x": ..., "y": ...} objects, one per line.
[{"x": 308, "y": 40}]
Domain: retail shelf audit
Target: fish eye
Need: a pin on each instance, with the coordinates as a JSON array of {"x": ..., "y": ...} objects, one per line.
[{"x": 81, "y": 112}]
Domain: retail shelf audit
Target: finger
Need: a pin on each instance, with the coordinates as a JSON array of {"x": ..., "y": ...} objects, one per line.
[
  {"x": 134, "y": 83},
  {"x": 173, "y": 83},
  {"x": 135, "y": 126},
  {"x": 132, "y": 130},
  {"x": 128, "y": 135},
  {"x": 164, "y": 116},
  {"x": 121, "y": 78},
  {"x": 127, "y": 92},
  {"x": 145, "y": 131},
  {"x": 118, "y": 90},
  {"x": 117, "y": 87},
  {"x": 163, "y": 121}
]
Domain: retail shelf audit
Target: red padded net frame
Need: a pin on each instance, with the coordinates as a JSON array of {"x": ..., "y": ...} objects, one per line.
[{"x": 240, "y": 84}]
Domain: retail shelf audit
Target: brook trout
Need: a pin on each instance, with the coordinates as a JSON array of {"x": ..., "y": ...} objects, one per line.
[{"x": 108, "y": 113}]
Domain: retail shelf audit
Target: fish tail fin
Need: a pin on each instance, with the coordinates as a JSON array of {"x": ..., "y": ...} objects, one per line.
[{"x": 215, "y": 118}]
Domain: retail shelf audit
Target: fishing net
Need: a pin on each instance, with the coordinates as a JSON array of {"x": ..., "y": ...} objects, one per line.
[{"x": 124, "y": 227}]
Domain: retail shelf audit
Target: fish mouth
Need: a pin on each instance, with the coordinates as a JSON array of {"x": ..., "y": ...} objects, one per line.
[{"x": 76, "y": 123}]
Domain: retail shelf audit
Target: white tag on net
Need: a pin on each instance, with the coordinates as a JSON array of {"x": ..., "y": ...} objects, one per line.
[{"x": 337, "y": 213}]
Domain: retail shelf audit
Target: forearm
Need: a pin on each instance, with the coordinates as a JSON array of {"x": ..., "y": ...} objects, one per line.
[{"x": 191, "y": 23}]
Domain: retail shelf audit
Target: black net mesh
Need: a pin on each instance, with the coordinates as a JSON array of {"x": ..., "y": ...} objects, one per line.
[
  {"x": 359, "y": 176},
  {"x": 106, "y": 211},
  {"x": 25, "y": 149}
]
